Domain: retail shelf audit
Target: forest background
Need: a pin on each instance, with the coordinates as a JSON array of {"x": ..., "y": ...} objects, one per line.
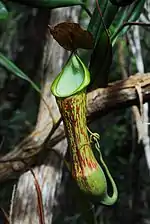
[{"x": 27, "y": 129}]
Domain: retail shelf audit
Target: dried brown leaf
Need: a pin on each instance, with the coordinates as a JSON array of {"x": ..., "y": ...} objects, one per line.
[{"x": 71, "y": 36}]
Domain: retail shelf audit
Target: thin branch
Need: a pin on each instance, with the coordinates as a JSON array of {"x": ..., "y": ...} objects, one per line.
[
  {"x": 39, "y": 197},
  {"x": 6, "y": 218}
]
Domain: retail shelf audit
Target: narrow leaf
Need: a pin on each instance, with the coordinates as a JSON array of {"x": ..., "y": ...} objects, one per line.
[
  {"x": 10, "y": 66},
  {"x": 102, "y": 18},
  {"x": 122, "y": 2},
  {"x": 49, "y": 3},
  {"x": 101, "y": 60},
  {"x": 132, "y": 14}
]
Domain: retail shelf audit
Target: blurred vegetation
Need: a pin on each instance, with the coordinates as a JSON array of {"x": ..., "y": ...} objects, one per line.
[{"x": 117, "y": 129}]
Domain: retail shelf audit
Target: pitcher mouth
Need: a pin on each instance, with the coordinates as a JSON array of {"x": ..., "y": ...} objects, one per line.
[{"x": 73, "y": 78}]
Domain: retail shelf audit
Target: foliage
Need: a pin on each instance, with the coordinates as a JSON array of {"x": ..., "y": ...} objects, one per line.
[
  {"x": 99, "y": 24},
  {"x": 105, "y": 29}
]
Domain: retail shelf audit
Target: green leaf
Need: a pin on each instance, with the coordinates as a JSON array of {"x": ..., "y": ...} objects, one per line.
[
  {"x": 131, "y": 14},
  {"x": 98, "y": 24},
  {"x": 3, "y": 11},
  {"x": 49, "y": 3},
  {"x": 100, "y": 61},
  {"x": 122, "y": 2},
  {"x": 121, "y": 17},
  {"x": 96, "y": 20},
  {"x": 101, "y": 58},
  {"x": 10, "y": 66}
]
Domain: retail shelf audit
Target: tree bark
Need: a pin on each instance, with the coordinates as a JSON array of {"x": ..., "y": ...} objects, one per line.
[{"x": 47, "y": 170}]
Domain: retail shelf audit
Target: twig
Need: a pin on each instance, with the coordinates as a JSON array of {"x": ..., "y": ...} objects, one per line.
[
  {"x": 39, "y": 196},
  {"x": 5, "y": 216}
]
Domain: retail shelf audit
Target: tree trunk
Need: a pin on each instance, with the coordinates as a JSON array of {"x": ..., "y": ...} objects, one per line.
[{"x": 24, "y": 204}]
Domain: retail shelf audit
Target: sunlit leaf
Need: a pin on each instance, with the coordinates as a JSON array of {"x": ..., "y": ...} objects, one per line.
[{"x": 3, "y": 11}]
